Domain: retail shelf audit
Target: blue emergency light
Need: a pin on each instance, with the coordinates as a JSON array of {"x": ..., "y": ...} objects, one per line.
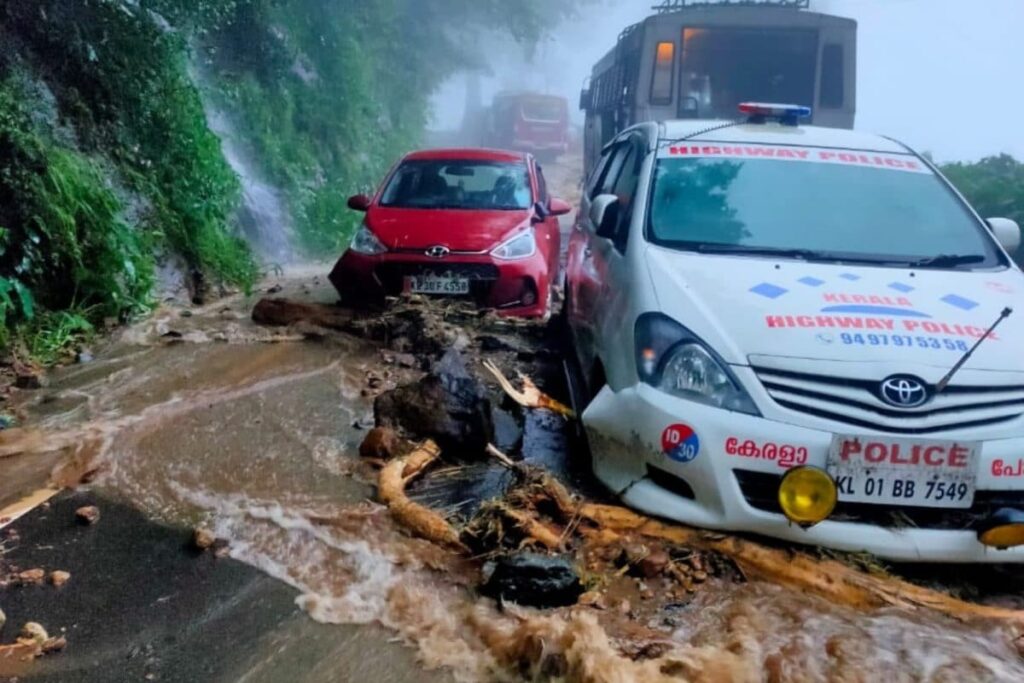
[{"x": 788, "y": 114}]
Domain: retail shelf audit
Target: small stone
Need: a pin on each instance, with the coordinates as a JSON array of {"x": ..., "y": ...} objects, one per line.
[
  {"x": 31, "y": 577},
  {"x": 654, "y": 563},
  {"x": 186, "y": 313},
  {"x": 647, "y": 594},
  {"x": 594, "y": 599},
  {"x": 58, "y": 578},
  {"x": 84, "y": 356},
  {"x": 381, "y": 443},
  {"x": 55, "y": 644},
  {"x": 405, "y": 360},
  {"x": 625, "y": 606},
  {"x": 276, "y": 289},
  {"x": 88, "y": 514},
  {"x": 221, "y": 549},
  {"x": 34, "y": 633},
  {"x": 203, "y": 539},
  {"x": 699, "y": 576}
]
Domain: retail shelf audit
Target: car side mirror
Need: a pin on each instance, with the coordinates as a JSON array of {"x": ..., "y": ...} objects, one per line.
[
  {"x": 559, "y": 207},
  {"x": 1006, "y": 232},
  {"x": 359, "y": 202},
  {"x": 604, "y": 215}
]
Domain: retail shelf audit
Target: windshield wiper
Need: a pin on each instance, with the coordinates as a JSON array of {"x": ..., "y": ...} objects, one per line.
[
  {"x": 804, "y": 254},
  {"x": 947, "y": 261}
]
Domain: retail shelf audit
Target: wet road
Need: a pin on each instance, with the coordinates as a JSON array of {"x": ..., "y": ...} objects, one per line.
[{"x": 210, "y": 420}]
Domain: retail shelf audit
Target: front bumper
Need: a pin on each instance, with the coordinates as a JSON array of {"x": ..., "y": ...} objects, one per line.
[
  {"x": 502, "y": 285},
  {"x": 716, "y": 490}
]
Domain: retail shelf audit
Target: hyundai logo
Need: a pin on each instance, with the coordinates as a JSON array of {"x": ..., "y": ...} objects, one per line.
[
  {"x": 904, "y": 392},
  {"x": 438, "y": 251}
]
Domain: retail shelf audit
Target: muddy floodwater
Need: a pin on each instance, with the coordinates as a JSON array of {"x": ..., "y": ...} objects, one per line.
[{"x": 208, "y": 420}]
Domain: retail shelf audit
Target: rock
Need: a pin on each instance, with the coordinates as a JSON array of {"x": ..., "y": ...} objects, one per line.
[
  {"x": 381, "y": 443},
  {"x": 30, "y": 378},
  {"x": 84, "y": 356},
  {"x": 88, "y": 514},
  {"x": 625, "y": 607},
  {"x": 58, "y": 578},
  {"x": 405, "y": 360},
  {"x": 534, "y": 580},
  {"x": 203, "y": 539},
  {"x": 186, "y": 313},
  {"x": 594, "y": 599},
  {"x": 31, "y": 577},
  {"x": 276, "y": 289},
  {"x": 284, "y": 312},
  {"x": 34, "y": 632},
  {"x": 654, "y": 563},
  {"x": 447, "y": 405},
  {"x": 55, "y": 644}
]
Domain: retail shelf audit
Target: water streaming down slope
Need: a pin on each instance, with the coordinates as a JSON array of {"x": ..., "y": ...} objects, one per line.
[{"x": 264, "y": 215}]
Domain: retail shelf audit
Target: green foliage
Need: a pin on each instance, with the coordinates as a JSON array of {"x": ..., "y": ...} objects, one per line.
[
  {"x": 119, "y": 74},
  {"x": 66, "y": 244},
  {"x": 50, "y": 337},
  {"x": 994, "y": 186}
]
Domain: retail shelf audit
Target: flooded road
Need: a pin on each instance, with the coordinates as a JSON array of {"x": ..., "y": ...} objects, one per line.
[{"x": 207, "y": 420}]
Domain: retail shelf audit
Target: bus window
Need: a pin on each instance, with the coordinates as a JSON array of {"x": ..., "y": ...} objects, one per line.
[
  {"x": 663, "y": 76},
  {"x": 833, "y": 77}
]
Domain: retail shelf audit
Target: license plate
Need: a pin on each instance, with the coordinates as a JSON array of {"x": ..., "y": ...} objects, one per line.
[
  {"x": 911, "y": 472},
  {"x": 434, "y": 284}
]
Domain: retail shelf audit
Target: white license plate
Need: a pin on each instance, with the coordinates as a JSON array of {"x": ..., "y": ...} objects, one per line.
[
  {"x": 433, "y": 284},
  {"x": 911, "y": 472}
]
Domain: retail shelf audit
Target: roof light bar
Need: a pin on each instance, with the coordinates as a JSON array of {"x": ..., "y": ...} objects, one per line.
[{"x": 788, "y": 114}]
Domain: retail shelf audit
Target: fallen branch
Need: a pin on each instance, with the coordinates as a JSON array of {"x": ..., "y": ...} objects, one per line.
[
  {"x": 420, "y": 520},
  {"x": 530, "y": 396},
  {"x": 830, "y": 579}
]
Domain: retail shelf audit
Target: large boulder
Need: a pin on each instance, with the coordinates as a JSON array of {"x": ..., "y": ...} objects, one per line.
[{"x": 448, "y": 405}]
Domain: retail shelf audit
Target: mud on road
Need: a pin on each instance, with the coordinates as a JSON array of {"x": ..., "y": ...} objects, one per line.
[{"x": 205, "y": 419}]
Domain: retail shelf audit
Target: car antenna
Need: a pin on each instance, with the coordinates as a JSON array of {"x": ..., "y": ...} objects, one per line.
[{"x": 944, "y": 382}]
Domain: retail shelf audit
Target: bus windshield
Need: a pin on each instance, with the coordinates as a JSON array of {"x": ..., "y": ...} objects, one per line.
[{"x": 725, "y": 66}]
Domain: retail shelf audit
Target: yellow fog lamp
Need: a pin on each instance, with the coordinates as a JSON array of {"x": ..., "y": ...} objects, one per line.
[
  {"x": 1004, "y": 529},
  {"x": 807, "y": 495}
]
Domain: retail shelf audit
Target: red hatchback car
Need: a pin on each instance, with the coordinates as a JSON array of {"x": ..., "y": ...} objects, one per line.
[{"x": 471, "y": 223}]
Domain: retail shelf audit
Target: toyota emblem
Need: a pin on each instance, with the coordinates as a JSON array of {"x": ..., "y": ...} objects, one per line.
[
  {"x": 438, "y": 251},
  {"x": 904, "y": 392}
]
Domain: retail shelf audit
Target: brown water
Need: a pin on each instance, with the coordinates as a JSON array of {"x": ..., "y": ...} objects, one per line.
[{"x": 251, "y": 432}]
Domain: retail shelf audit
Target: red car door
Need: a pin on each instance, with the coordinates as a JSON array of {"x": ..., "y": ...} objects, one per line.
[{"x": 587, "y": 269}]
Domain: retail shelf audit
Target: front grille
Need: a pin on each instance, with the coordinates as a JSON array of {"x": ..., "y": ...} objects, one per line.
[
  {"x": 855, "y": 402},
  {"x": 760, "y": 489},
  {"x": 481, "y": 276}
]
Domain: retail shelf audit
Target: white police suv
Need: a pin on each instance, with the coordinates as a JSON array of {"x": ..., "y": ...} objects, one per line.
[{"x": 801, "y": 332}]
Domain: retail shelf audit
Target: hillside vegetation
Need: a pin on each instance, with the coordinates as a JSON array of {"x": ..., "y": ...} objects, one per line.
[{"x": 108, "y": 166}]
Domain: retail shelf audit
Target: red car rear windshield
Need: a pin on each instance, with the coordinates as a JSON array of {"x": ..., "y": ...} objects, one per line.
[{"x": 452, "y": 184}]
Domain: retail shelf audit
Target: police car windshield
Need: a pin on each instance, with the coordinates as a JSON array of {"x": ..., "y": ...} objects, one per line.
[{"x": 884, "y": 209}]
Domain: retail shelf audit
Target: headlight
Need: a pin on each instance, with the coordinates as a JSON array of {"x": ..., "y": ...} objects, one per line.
[
  {"x": 522, "y": 245},
  {"x": 365, "y": 242},
  {"x": 672, "y": 359}
]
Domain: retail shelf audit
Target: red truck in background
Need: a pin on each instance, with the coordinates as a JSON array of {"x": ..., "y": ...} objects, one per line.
[{"x": 528, "y": 122}]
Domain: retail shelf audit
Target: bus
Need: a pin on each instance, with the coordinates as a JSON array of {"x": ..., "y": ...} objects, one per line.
[
  {"x": 700, "y": 59},
  {"x": 528, "y": 122}
]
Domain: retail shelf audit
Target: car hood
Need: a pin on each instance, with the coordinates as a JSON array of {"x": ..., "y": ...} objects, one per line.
[
  {"x": 457, "y": 230},
  {"x": 745, "y": 307}
]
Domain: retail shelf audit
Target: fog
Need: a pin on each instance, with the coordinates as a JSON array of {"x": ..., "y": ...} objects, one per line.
[{"x": 941, "y": 75}]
